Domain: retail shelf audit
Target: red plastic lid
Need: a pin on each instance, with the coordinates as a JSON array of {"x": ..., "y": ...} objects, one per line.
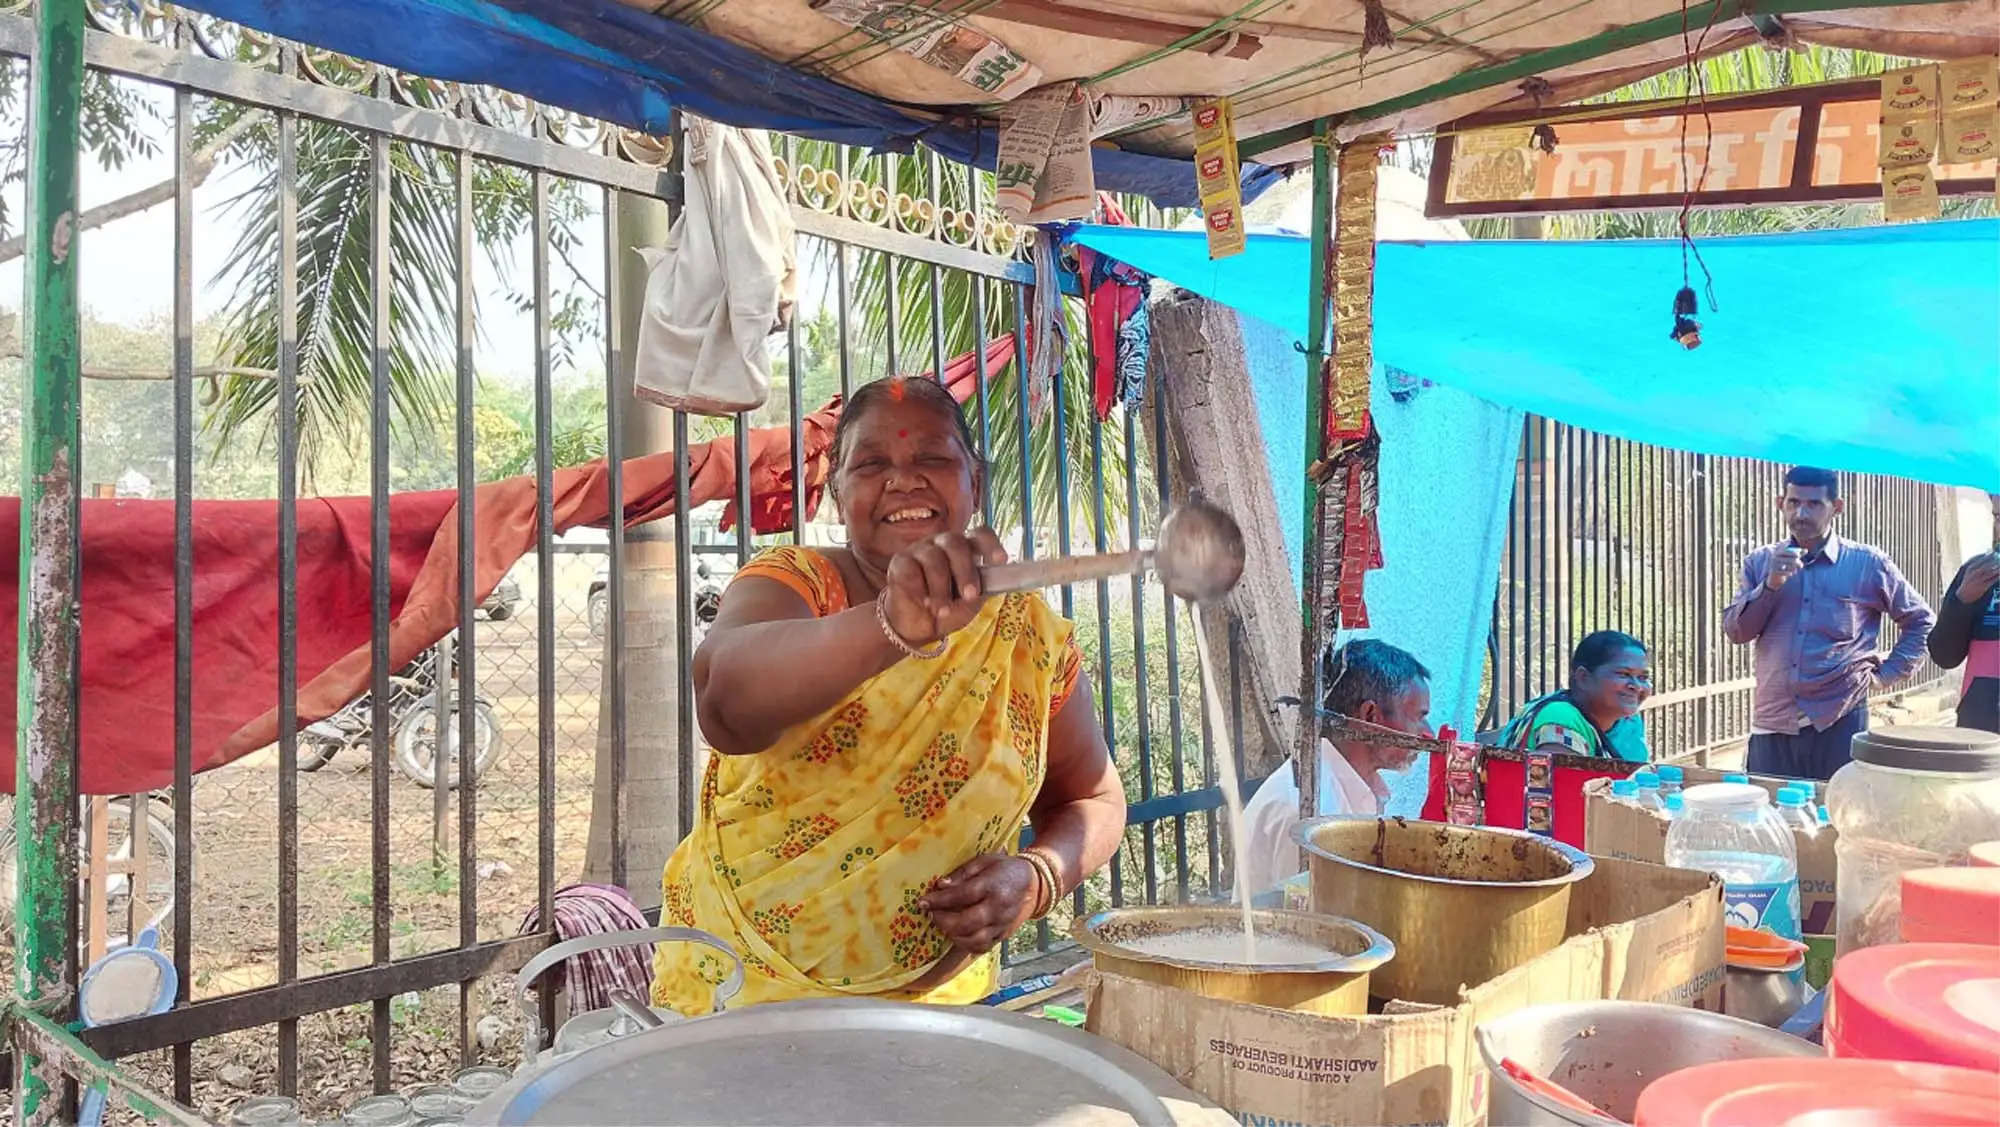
[
  {"x": 1957, "y": 905},
  {"x": 1987, "y": 854},
  {"x": 1810, "y": 1092},
  {"x": 1936, "y": 1002}
]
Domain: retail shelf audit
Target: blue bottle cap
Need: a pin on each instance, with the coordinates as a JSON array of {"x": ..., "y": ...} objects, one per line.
[
  {"x": 1624, "y": 788},
  {"x": 1674, "y": 803},
  {"x": 1736, "y": 777},
  {"x": 1669, "y": 773},
  {"x": 1644, "y": 779}
]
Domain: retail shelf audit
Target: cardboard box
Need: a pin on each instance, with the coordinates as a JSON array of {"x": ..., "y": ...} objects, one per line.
[
  {"x": 1613, "y": 829},
  {"x": 1636, "y": 931}
]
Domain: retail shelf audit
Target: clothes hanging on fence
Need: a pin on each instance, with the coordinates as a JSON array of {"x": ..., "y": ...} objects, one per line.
[
  {"x": 724, "y": 282},
  {"x": 126, "y": 707},
  {"x": 1121, "y": 332}
]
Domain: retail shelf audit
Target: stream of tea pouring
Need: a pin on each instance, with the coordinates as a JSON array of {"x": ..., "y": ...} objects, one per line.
[
  {"x": 1225, "y": 774},
  {"x": 1199, "y": 556}
]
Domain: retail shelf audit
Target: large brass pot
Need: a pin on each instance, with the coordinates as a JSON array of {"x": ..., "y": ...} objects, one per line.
[
  {"x": 1462, "y": 904},
  {"x": 1336, "y": 984}
]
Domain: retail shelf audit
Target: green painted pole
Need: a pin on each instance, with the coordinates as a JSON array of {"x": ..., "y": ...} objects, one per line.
[
  {"x": 1306, "y": 759},
  {"x": 45, "y": 760}
]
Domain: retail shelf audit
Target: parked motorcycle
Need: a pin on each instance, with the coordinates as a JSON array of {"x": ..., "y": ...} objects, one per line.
[
  {"x": 412, "y": 726},
  {"x": 707, "y": 601}
]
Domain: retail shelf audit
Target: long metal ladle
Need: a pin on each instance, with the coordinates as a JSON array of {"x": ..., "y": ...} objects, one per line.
[{"x": 1198, "y": 555}]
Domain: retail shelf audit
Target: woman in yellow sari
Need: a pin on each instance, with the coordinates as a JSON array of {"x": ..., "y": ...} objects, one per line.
[{"x": 883, "y": 730}]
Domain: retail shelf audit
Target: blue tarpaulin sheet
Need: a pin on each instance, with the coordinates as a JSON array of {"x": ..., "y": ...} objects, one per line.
[
  {"x": 1872, "y": 350},
  {"x": 609, "y": 61}
]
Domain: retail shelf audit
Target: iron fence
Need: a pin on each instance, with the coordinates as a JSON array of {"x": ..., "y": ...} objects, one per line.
[
  {"x": 1606, "y": 533},
  {"x": 343, "y": 929}
]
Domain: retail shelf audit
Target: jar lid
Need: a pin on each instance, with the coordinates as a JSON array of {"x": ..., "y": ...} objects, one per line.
[
  {"x": 1805, "y": 1090},
  {"x": 1726, "y": 796},
  {"x": 1952, "y": 751},
  {"x": 1936, "y": 1002},
  {"x": 1951, "y": 905}
]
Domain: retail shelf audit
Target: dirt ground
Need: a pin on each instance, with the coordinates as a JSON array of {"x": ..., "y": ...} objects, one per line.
[{"x": 235, "y": 912}]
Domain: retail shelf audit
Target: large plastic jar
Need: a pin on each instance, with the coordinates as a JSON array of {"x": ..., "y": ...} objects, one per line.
[
  {"x": 1730, "y": 829},
  {"x": 1912, "y": 798}
]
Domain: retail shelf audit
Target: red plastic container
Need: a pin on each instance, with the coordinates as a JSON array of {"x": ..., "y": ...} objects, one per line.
[
  {"x": 1804, "y": 1092},
  {"x": 1955, "y": 905},
  {"x": 1933, "y": 1002}
]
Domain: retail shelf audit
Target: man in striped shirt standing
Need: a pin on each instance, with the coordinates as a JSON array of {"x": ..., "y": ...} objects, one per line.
[{"x": 1813, "y": 605}]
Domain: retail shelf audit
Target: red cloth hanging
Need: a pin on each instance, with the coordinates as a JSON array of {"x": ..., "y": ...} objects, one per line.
[{"x": 126, "y": 707}]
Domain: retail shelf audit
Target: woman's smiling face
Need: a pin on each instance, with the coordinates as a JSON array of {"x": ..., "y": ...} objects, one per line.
[{"x": 904, "y": 476}]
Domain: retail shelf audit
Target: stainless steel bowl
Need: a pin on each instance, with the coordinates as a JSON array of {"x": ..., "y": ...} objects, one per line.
[{"x": 1607, "y": 1052}]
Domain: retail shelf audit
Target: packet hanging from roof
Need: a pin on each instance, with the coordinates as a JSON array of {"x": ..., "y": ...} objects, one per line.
[
  {"x": 1911, "y": 92},
  {"x": 1969, "y": 135},
  {"x": 1969, "y": 84},
  {"x": 938, "y": 40},
  {"x": 1216, "y": 178},
  {"x": 1909, "y": 194},
  {"x": 1908, "y": 142}
]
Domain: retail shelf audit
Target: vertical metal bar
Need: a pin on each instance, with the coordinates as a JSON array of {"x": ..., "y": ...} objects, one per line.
[
  {"x": 381, "y": 288},
  {"x": 745, "y": 530},
  {"x": 1024, "y": 425},
  {"x": 1059, "y": 434},
  {"x": 288, "y": 588},
  {"x": 1177, "y": 769},
  {"x": 843, "y": 302},
  {"x": 45, "y": 763},
  {"x": 1142, "y": 694},
  {"x": 614, "y": 477},
  {"x": 891, "y": 277},
  {"x": 980, "y": 376},
  {"x": 468, "y": 599},
  {"x": 796, "y": 414},
  {"x": 183, "y": 578},
  {"x": 936, "y": 275},
  {"x": 684, "y": 620},
  {"x": 1105, "y": 686},
  {"x": 545, "y": 583}
]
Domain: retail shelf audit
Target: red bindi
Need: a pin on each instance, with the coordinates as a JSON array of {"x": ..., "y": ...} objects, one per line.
[{"x": 902, "y": 434}]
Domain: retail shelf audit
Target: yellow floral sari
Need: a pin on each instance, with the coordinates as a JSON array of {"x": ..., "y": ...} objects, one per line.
[{"x": 808, "y": 857}]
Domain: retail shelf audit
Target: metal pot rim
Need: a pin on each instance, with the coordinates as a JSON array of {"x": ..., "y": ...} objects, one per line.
[
  {"x": 1379, "y": 950},
  {"x": 1483, "y": 1035},
  {"x": 1580, "y": 863}
]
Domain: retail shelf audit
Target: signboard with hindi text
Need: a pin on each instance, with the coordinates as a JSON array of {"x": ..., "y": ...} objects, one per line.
[{"x": 1814, "y": 144}]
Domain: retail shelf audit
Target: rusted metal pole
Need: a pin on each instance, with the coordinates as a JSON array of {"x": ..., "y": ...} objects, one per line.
[{"x": 45, "y": 763}]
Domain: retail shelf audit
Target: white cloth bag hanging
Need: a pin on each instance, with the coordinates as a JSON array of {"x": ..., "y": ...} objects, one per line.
[{"x": 724, "y": 282}]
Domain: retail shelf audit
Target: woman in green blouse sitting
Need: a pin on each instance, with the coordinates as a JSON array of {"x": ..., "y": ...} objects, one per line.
[{"x": 1598, "y": 715}]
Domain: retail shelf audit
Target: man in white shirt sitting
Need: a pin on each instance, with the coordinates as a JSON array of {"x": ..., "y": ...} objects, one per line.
[{"x": 1364, "y": 680}]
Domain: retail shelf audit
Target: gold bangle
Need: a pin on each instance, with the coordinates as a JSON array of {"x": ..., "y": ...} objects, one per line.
[
  {"x": 1041, "y": 882},
  {"x": 925, "y": 652},
  {"x": 1045, "y": 867}
]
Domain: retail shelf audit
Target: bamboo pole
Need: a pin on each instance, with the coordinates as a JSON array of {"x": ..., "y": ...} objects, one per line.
[{"x": 45, "y": 763}]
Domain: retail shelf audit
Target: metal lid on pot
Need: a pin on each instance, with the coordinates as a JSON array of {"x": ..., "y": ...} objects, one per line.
[
  {"x": 1952, "y": 751},
  {"x": 850, "y": 1061}
]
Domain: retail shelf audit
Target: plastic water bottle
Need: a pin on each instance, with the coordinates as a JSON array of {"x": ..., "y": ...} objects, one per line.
[
  {"x": 1625, "y": 792},
  {"x": 1676, "y": 804},
  {"x": 1795, "y": 806},
  {"x": 1736, "y": 777},
  {"x": 1670, "y": 779},
  {"x": 1649, "y": 791},
  {"x": 1731, "y": 830}
]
